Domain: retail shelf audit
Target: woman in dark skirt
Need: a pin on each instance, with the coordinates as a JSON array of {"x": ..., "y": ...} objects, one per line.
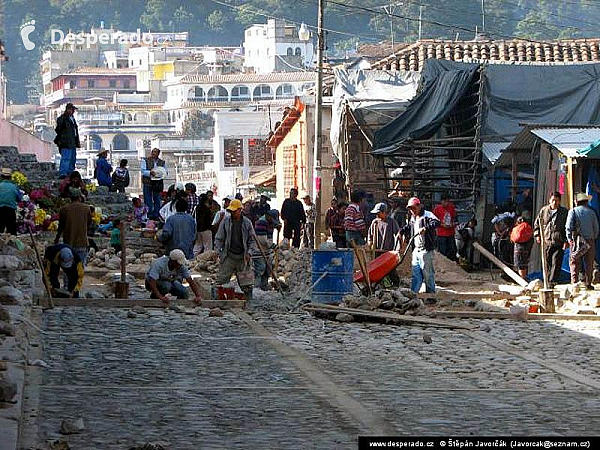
[{"x": 522, "y": 236}]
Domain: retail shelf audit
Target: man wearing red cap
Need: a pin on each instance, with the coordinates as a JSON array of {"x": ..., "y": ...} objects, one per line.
[{"x": 422, "y": 225}]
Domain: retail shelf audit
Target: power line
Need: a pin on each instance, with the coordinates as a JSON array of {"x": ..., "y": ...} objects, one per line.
[{"x": 270, "y": 16}]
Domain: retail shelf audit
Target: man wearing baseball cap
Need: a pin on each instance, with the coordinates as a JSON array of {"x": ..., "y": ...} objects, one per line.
[
  {"x": 165, "y": 276},
  {"x": 67, "y": 140},
  {"x": 422, "y": 225},
  {"x": 234, "y": 241},
  {"x": 62, "y": 256}
]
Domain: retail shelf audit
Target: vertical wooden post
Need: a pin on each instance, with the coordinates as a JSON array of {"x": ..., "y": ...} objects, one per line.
[
  {"x": 122, "y": 287},
  {"x": 570, "y": 183},
  {"x": 514, "y": 177}
]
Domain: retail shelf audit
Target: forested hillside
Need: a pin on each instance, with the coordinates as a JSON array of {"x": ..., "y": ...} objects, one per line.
[{"x": 349, "y": 22}]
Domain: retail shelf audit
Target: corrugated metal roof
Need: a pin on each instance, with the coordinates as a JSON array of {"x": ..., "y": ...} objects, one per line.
[
  {"x": 569, "y": 141},
  {"x": 492, "y": 150}
]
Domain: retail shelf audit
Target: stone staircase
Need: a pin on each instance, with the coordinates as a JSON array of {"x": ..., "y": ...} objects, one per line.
[{"x": 38, "y": 174}]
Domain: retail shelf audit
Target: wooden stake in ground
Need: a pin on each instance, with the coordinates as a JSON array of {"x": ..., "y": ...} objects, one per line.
[
  {"x": 45, "y": 279},
  {"x": 122, "y": 287},
  {"x": 546, "y": 295},
  {"x": 507, "y": 270},
  {"x": 363, "y": 266}
]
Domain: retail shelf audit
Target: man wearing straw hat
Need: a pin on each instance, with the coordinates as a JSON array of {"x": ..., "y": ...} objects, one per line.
[
  {"x": 103, "y": 169},
  {"x": 582, "y": 232},
  {"x": 9, "y": 196}
]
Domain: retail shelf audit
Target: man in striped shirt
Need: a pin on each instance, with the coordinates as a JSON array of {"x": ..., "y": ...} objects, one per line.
[{"x": 354, "y": 221}]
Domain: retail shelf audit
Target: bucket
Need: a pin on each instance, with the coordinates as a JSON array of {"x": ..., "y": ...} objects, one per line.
[{"x": 339, "y": 266}]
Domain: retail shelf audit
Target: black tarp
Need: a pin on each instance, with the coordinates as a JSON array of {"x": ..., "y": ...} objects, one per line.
[
  {"x": 443, "y": 87},
  {"x": 513, "y": 94}
]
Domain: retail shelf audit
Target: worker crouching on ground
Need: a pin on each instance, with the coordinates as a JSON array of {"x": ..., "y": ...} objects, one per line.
[
  {"x": 165, "y": 276},
  {"x": 422, "y": 225},
  {"x": 234, "y": 241},
  {"x": 264, "y": 228},
  {"x": 62, "y": 256}
]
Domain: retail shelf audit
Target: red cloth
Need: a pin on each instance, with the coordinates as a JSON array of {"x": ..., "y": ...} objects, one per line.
[{"x": 447, "y": 216}]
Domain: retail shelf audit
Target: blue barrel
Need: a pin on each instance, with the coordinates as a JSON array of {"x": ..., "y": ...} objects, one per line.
[{"x": 339, "y": 266}]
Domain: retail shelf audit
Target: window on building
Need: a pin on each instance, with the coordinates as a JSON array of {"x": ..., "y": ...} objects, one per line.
[
  {"x": 258, "y": 153},
  {"x": 233, "y": 152},
  {"x": 218, "y": 94},
  {"x": 298, "y": 51},
  {"x": 240, "y": 93},
  {"x": 290, "y": 168},
  {"x": 91, "y": 83},
  {"x": 285, "y": 90},
  {"x": 112, "y": 83},
  {"x": 198, "y": 93},
  {"x": 126, "y": 84},
  {"x": 290, "y": 51},
  {"x": 262, "y": 92}
]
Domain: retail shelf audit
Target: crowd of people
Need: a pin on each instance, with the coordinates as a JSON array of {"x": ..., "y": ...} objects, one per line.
[{"x": 243, "y": 232}]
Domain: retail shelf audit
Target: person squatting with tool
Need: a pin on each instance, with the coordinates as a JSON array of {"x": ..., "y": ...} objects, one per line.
[
  {"x": 62, "y": 256},
  {"x": 165, "y": 276},
  {"x": 421, "y": 230}
]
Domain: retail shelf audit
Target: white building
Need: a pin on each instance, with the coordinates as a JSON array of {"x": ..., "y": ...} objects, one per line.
[
  {"x": 277, "y": 47},
  {"x": 210, "y": 93},
  {"x": 239, "y": 147}
]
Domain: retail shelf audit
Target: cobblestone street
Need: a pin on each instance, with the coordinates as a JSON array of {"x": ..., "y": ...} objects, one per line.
[{"x": 194, "y": 381}]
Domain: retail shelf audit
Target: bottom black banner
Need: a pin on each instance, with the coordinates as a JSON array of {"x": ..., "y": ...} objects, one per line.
[{"x": 372, "y": 442}]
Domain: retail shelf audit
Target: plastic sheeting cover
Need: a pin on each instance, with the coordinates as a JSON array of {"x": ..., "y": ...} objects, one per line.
[
  {"x": 375, "y": 97},
  {"x": 443, "y": 87},
  {"x": 513, "y": 94}
]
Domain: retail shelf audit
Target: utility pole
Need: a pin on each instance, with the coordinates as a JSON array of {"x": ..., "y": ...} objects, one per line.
[
  {"x": 483, "y": 16},
  {"x": 420, "y": 20},
  {"x": 389, "y": 10},
  {"x": 318, "y": 123}
]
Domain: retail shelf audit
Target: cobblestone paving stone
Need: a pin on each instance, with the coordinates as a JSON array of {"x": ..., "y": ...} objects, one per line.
[
  {"x": 190, "y": 381},
  {"x": 454, "y": 385},
  {"x": 578, "y": 347}
]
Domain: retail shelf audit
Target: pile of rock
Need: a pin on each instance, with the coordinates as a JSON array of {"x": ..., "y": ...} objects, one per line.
[
  {"x": 293, "y": 270},
  {"x": 400, "y": 301},
  {"x": 20, "y": 277},
  {"x": 207, "y": 264}
]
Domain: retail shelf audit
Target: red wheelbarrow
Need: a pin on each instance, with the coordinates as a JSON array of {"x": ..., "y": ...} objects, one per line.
[{"x": 382, "y": 266}]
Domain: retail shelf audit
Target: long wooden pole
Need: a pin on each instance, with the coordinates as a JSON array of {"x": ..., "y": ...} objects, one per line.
[
  {"x": 44, "y": 277},
  {"x": 318, "y": 143},
  {"x": 507, "y": 270}
]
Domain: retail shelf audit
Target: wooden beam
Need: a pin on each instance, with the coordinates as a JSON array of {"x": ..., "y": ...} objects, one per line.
[
  {"x": 507, "y": 270},
  {"x": 146, "y": 303},
  {"x": 504, "y": 315},
  {"x": 406, "y": 320},
  {"x": 450, "y": 295}
]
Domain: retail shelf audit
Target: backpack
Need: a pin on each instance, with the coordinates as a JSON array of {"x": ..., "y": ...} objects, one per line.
[
  {"x": 120, "y": 175},
  {"x": 521, "y": 233}
]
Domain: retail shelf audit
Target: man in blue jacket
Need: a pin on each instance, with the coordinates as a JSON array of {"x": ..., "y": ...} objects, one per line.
[
  {"x": 180, "y": 230},
  {"x": 103, "y": 169},
  {"x": 422, "y": 226}
]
